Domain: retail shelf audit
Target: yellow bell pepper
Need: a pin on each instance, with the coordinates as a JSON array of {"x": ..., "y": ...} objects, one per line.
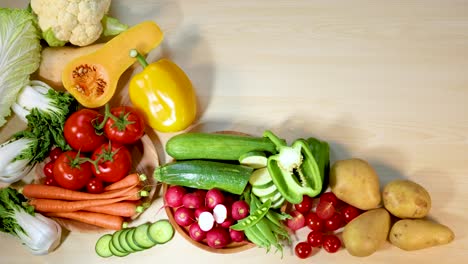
[{"x": 164, "y": 94}]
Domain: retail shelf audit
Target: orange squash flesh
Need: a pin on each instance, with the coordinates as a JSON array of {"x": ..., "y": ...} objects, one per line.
[{"x": 92, "y": 79}]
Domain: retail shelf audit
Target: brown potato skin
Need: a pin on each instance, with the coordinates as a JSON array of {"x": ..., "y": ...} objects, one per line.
[
  {"x": 415, "y": 234},
  {"x": 355, "y": 182},
  {"x": 366, "y": 233},
  {"x": 406, "y": 199}
]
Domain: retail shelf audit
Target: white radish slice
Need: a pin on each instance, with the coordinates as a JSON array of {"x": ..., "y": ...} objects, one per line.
[
  {"x": 206, "y": 221},
  {"x": 220, "y": 213}
]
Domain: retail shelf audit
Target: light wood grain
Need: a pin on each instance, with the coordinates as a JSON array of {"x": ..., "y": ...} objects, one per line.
[{"x": 382, "y": 80}]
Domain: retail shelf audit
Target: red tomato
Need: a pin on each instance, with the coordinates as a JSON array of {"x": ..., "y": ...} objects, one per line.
[
  {"x": 314, "y": 222},
  {"x": 55, "y": 153},
  {"x": 71, "y": 172},
  {"x": 306, "y": 205},
  {"x": 113, "y": 161},
  {"x": 49, "y": 169},
  {"x": 79, "y": 130},
  {"x": 314, "y": 238},
  {"x": 331, "y": 243},
  {"x": 325, "y": 210},
  {"x": 350, "y": 212},
  {"x": 330, "y": 197},
  {"x": 95, "y": 186},
  {"x": 50, "y": 181},
  {"x": 303, "y": 250},
  {"x": 125, "y": 125},
  {"x": 334, "y": 222}
]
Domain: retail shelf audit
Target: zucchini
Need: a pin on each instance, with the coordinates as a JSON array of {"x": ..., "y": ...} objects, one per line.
[
  {"x": 261, "y": 178},
  {"x": 204, "y": 174},
  {"x": 213, "y": 146},
  {"x": 102, "y": 247},
  {"x": 141, "y": 236},
  {"x": 254, "y": 159},
  {"x": 161, "y": 231}
]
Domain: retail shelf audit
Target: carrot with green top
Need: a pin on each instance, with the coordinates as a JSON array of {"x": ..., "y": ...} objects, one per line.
[
  {"x": 55, "y": 192},
  {"x": 111, "y": 222},
  {"x": 129, "y": 180},
  {"x": 124, "y": 209}
]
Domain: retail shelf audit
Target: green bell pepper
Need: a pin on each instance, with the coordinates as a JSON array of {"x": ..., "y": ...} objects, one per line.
[
  {"x": 321, "y": 151},
  {"x": 294, "y": 169}
]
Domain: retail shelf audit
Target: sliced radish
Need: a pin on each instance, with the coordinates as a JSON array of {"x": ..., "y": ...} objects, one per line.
[
  {"x": 219, "y": 213},
  {"x": 206, "y": 221}
]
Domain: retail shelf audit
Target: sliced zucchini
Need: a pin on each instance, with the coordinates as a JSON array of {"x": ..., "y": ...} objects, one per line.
[
  {"x": 131, "y": 241},
  {"x": 161, "y": 231},
  {"x": 115, "y": 240},
  {"x": 264, "y": 192},
  {"x": 123, "y": 241},
  {"x": 260, "y": 178},
  {"x": 278, "y": 203},
  {"x": 117, "y": 252},
  {"x": 254, "y": 159},
  {"x": 141, "y": 236},
  {"x": 274, "y": 197},
  {"x": 102, "y": 247}
]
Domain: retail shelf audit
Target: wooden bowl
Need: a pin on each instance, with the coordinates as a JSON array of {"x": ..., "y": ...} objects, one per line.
[
  {"x": 145, "y": 160},
  {"x": 233, "y": 247}
]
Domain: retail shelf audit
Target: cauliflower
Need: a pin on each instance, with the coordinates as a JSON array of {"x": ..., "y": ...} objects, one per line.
[{"x": 80, "y": 22}]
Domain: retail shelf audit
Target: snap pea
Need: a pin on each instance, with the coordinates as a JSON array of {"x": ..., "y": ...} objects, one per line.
[
  {"x": 266, "y": 232},
  {"x": 254, "y": 217},
  {"x": 253, "y": 234}
]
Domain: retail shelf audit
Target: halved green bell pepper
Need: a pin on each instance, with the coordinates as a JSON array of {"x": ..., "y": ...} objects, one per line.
[
  {"x": 294, "y": 169},
  {"x": 321, "y": 151}
]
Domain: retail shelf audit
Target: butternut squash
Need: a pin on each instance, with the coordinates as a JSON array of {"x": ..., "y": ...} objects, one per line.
[{"x": 92, "y": 79}]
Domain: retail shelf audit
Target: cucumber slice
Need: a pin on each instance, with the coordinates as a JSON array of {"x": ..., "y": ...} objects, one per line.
[
  {"x": 279, "y": 203},
  {"x": 274, "y": 197},
  {"x": 161, "y": 231},
  {"x": 102, "y": 246},
  {"x": 115, "y": 241},
  {"x": 141, "y": 237},
  {"x": 131, "y": 242},
  {"x": 264, "y": 192},
  {"x": 123, "y": 241},
  {"x": 254, "y": 159},
  {"x": 116, "y": 252},
  {"x": 261, "y": 178}
]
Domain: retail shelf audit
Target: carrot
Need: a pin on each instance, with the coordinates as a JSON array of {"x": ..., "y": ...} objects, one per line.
[
  {"x": 52, "y": 206},
  {"x": 54, "y": 192},
  {"x": 106, "y": 221},
  {"x": 129, "y": 180},
  {"x": 125, "y": 209}
]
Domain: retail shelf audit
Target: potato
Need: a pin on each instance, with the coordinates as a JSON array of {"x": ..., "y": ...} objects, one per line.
[
  {"x": 406, "y": 199},
  {"x": 414, "y": 234},
  {"x": 355, "y": 182},
  {"x": 366, "y": 233},
  {"x": 54, "y": 59}
]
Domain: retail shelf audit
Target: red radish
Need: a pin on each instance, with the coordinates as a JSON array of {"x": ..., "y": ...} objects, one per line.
[
  {"x": 219, "y": 213},
  {"x": 297, "y": 221},
  {"x": 206, "y": 221},
  {"x": 236, "y": 236},
  {"x": 200, "y": 210},
  {"x": 218, "y": 237},
  {"x": 174, "y": 195},
  {"x": 325, "y": 210},
  {"x": 200, "y": 192},
  {"x": 239, "y": 210},
  {"x": 196, "y": 233},
  {"x": 192, "y": 200},
  {"x": 184, "y": 216},
  {"x": 228, "y": 222},
  {"x": 213, "y": 197}
]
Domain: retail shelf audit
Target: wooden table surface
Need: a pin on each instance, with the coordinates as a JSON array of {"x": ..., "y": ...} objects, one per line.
[{"x": 385, "y": 81}]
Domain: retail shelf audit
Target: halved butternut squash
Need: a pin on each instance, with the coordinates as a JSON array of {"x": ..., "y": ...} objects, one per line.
[{"x": 92, "y": 79}]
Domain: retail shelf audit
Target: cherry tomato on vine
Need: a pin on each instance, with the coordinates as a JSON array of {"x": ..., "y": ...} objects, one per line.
[
  {"x": 111, "y": 162},
  {"x": 71, "y": 171},
  {"x": 55, "y": 153},
  {"x": 314, "y": 222},
  {"x": 303, "y": 250},
  {"x": 79, "y": 130},
  {"x": 350, "y": 212},
  {"x": 124, "y": 124},
  {"x": 49, "y": 169},
  {"x": 95, "y": 186},
  {"x": 314, "y": 238},
  {"x": 306, "y": 205},
  {"x": 331, "y": 243},
  {"x": 330, "y": 197},
  {"x": 50, "y": 181},
  {"x": 334, "y": 222}
]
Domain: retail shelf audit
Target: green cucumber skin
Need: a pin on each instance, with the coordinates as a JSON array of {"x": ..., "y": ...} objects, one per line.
[
  {"x": 215, "y": 146},
  {"x": 203, "y": 174}
]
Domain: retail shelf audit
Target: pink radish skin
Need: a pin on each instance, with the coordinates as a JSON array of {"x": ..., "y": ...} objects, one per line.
[
  {"x": 213, "y": 197},
  {"x": 184, "y": 216},
  {"x": 192, "y": 200},
  {"x": 200, "y": 210},
  {"x": 296, "y": 222},
  {"x": 196, "y": 233},
  {"x": 219, "y": 213},
  {"x": 236, "y": 236},
  {"x": 200, "y": 192},
  {"x": 227, "y": 223},
  {"x": 174, "y": 195},
  {"x": 206, "y": 221},
  {"x": 218, "y": 237},
  {"x": 240, "y": 210}
]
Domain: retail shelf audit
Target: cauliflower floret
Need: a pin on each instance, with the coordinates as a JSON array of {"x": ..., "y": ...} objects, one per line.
[{"x": 76, "y": 21}]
